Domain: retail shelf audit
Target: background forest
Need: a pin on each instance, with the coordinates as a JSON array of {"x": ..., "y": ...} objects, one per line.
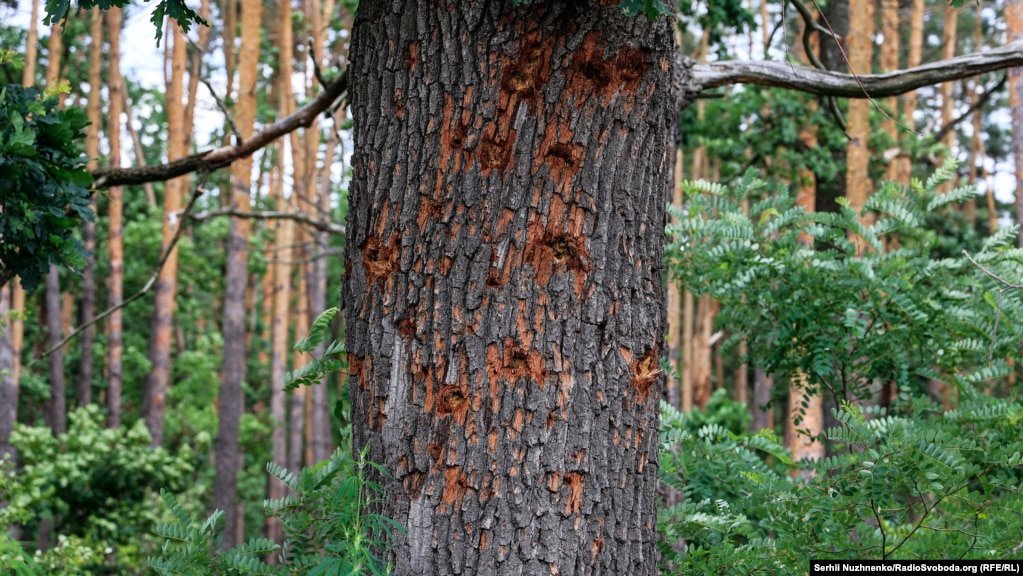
[{"x": 844, "y": 302}]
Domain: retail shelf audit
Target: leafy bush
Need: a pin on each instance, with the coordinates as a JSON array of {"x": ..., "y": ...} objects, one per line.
[
  {"x": 326, "y": 526},
  {"x": 938, "y": 485},
  {"x": 845, "y": 317},
  {"x": 97, "y": 485}
]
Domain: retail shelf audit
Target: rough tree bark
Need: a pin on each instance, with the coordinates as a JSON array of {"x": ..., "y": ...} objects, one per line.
[
  {"x": 504, "y": 298},
  {"x": 231, "y": 399},
  {"x": 115, "y": 224}
]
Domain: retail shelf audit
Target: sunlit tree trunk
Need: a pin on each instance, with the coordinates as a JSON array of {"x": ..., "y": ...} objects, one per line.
[
  {"x": 161, "y": 331},
  {"x": 860, "y": 47},
  {"x": 319, "y": 443},
  {"x": 284, "y": 237},
  {"x": 83, "y": 384},
  {"x": 115, "y": 226},
  {"x": 890, "y": 62},
  {"x": 57, "y": 410},
  {"x": 1014, "y": 25},
  {"x": 805, "y": 419},
  {"x": 948, "y": 50},
  {"x": 232, "y": 376},
  {"x": 903, "y": 167},
  {"x": 504, "y": 293}
]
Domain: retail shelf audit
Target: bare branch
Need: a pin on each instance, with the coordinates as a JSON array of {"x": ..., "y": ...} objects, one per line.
[
  {"x": 211, "y": 160},
  {"x": 223, "y": 109},
  {"x": 321, "y": 225},
  {"x": 1005, "y": 283},
  {"x": 825, "y": 83},
  {"x": 196, "y": 193},
  {"x": 977, "y": 104}
]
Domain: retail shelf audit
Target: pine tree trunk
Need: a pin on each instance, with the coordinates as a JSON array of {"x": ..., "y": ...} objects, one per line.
[
  {"x": 284, "y": 237},
  {"x": 115, "y": 226},
  {"x": 1014, "y": 25},
  {"x": 860, "y": 47},
  {"x": 8, "y": 385},
  {"x": 504, "y": 292},
  {"x": 57, "y": 413},
  {"x": 228, "y": 458},
  {"x": 83, "y": 385},
  {"x": 161, "y": 332},
  {"x": 903, "y": 167},
  {"x": 890, "y": 62},
  {"x": 948, "y": 50}
]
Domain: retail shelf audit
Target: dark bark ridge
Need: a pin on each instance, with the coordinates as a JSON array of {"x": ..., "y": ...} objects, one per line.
[{"x": 503, "y": 300}]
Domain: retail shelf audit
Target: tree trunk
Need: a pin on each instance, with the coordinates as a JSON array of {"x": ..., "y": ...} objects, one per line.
[
  {"x": 889, "y": 63},
  {"x": 675, "y": 317},
  {"x": 948, "y": 50},
  {"x": 284, "y": 237},
  {"x": 321, "y": 439},
  {"x": 320, "y": 443},
  {"x": 805, "y": 419},
  {"x": 83, "y": 385},
  {"x": 903, "y": 167},
  {"x": 115, "y": 223},
  {"x": 232, "y": 400},
  {"x": 763, "y": 415},
  {"x": 504, "y": 292},
  {"x": 161, "y": 333},
  {"x": 296, "y": 413},
  {"x": 1014, "y": 25},
  {"x": 8, "y": 385},
  {"x": 281, "y": 295},
  {"x": 57, "y": 413},
  {"x": 860, "y": 46}
]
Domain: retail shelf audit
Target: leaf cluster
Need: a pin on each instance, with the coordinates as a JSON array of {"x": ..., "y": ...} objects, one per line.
[
  {"x": 45, "y": 184},
  {"x": 939, "y": 485}
]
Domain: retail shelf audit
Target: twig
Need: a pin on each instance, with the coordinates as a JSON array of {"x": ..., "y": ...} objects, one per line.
[
  {"x": 223, "y": 109},
  {"x": 316, "y": 66},
  {"x": 196, "y": 193},
  {"x": 991, "y": 274},
  {"x": 977, "y": 105}
]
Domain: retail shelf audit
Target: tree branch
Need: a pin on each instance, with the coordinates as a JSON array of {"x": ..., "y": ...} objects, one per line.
[
  {"x": 197, "y": 191},
  {"x": 977, "y": 104},
  {"x": 211, "y": 160},
  {"x": 321, "y": 225},
  {"x": 825, "y": 83}
]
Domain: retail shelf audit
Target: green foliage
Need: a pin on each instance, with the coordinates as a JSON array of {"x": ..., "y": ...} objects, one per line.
[
  {"x": 794, "y": 285},
  {"x": 14, "y": 560},
  {"x": 331, "y": 361},
  {"x": 46, "y": 187},
  {"x": 934, "y": 486},
  {"x": 177, "y": 10},
  {"x": 97, "y": 484},
  {"x": 328, "y": 528}
]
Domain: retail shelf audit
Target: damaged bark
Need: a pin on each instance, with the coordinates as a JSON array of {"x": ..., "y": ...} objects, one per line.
[{"x": 505, "y": 280}]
